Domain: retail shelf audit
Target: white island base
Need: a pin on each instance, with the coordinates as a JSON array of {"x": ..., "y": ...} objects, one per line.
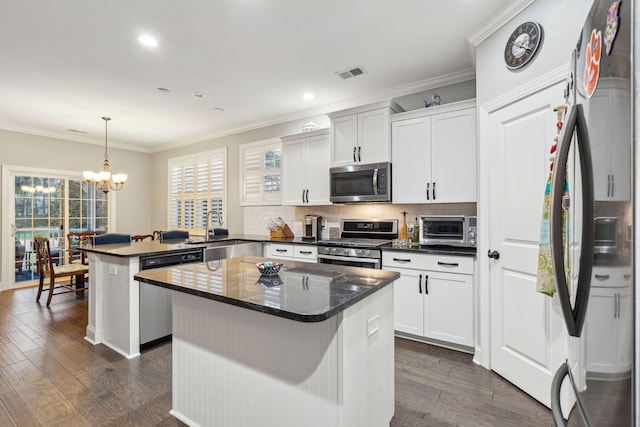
[{"x": 237, "y": 367}]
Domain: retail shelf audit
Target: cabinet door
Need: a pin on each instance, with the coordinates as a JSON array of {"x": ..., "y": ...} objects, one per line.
[
  {"x": 601, "y": 330},
  {"x": 410, "y": 148},
  {"x": 453, "y": 156},
  {"x": 374, "y": 137},
  {"x": 408, "y": 301},
  {"x": 624, "y": 330},
  {"x": 293, "y": 173},
  {"x": 620, "y": 145},
  {"x": 344, "y": 140},
  {"x": 448, "y": 309},
  {"x": 317, "y": 170}
]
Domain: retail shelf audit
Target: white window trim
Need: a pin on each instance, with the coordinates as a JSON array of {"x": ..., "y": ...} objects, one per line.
[
  {"x": 241, "y": 172},
  {"x": 199, "y": 156}
]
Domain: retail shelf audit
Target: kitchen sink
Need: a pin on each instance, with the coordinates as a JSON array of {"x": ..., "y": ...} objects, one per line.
[{"x": 230, "y": 249}]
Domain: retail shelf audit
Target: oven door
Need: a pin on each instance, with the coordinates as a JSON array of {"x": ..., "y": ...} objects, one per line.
[{"x": 349, "y": 261}]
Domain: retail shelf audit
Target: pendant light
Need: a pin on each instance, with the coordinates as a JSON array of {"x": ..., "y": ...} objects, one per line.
[{"x": 103, "y": 180}]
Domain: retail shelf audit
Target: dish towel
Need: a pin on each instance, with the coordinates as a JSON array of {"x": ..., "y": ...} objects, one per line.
[{"x": 546, "y": 283}]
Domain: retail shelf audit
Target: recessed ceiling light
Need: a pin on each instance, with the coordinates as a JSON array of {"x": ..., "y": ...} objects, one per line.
[
  {"x": 308, "y": 96},
  {"x": 147, "y": 40},
  {"x": 218, "y": 109},
  {"x": 198, "y": 94},
  {"x": 162, "y": 90}
]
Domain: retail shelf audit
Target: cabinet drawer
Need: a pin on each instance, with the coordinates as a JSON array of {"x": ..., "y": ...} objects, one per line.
[
  {"x": 305, "y": 253},
  {"x": 608, "y": 277},
  {"x": 279, "y": 250},
  {"x": 415, "y": 261}
]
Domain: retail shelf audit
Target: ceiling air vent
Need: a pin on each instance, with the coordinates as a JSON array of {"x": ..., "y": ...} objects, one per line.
[{"x": 351, "y": 72}]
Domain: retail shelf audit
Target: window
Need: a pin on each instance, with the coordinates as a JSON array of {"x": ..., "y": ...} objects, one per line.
[
  {"x": 197, "y": 184},
  {"x": 260, "y": 173}
]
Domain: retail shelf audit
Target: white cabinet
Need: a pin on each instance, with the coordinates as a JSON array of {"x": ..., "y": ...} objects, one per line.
[
  {"x": 609, "y": 324},
  {"x": 306, "y": 168},
  {"x": 609, "y": 125},
  {"x": 292, "y": 252},
  {"x": 434, "y": 154},
  {"x": 362, "y": 135},
  {"x": 433, "y": 297}
]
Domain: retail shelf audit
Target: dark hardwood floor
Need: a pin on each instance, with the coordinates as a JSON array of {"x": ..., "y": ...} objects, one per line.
[{"x": 50, "y": 376}]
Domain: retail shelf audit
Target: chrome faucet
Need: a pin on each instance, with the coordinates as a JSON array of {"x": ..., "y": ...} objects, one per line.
[{"x": 207, "y": 229}]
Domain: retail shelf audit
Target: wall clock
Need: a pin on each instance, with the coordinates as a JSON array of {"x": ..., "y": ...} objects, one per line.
[{"x": 522, "y": 45}]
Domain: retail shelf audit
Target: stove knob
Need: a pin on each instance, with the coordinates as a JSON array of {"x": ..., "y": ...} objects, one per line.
[
  {"x": 333, "y": 251},
  {"x": 345, "y": 251}
]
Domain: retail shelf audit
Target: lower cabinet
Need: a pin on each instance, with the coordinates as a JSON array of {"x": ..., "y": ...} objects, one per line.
[
  {"x": 291, "y": 251},
  {"x": 609, "y": 335},
  {"x": 433, "y": 297}
]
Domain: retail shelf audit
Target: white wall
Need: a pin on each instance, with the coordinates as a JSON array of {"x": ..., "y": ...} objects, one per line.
[
  {"x": 133, "y": 203},
  {"x": 561, "y": 21}
]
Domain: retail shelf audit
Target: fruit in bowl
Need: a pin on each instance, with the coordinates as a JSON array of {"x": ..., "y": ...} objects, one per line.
[{"x": 269, "y": 267}]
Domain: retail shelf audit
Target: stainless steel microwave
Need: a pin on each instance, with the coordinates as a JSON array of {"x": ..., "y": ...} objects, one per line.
[
  {"x": 361, "y": 183},
  {"x": 449, "y": 230}
]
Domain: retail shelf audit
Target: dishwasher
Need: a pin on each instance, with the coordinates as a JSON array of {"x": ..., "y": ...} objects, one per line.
[{"x": 155, "y": 302}]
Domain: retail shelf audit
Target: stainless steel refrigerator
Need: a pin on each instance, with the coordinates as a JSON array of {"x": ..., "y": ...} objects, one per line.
[{"x": 592, "y": 225}]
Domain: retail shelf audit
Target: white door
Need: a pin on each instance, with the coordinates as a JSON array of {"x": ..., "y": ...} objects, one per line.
[{"x": 528, "y": 338}]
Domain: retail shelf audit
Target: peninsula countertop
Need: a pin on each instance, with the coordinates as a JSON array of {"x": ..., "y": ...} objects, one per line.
[{"x": 301, "y": 291}]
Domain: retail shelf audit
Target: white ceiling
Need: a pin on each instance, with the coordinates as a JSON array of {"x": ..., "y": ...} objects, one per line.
[{"x": 66, "y": 63}]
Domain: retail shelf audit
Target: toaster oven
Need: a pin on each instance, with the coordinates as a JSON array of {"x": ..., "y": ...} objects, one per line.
[{"x": 449, "y": 230}]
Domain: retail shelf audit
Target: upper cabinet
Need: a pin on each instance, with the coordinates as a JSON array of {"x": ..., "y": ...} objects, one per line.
[
  {"x": 306, "y": 168},
  {"x": 362, "y": 135},
  {"x": 609, "y": 125},
  {"x": 434, "y": 154}
]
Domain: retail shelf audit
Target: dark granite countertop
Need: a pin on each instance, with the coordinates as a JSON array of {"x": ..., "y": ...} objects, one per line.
[
  {"x": 155, "y": 247},
  {"x": 300, "y": 291}
]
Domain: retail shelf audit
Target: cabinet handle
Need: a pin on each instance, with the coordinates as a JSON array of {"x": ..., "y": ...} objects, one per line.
[
  {"x": 359, "y": 159},
  {"x": 426, "y": 284},
  {"x": 305, "y": 252},
  {"x": 608, "y": 185},
  {"x": 401, "y": 260},
  {"x": 602, "y": 276},
  {"x": 613, "y": 185},
  {"x": 307, "y": 195},
  {"x": 420, "y": 283},
  {"x": 618, "y": 295},
  {"x": 303, "y": 196},
  {"x": 354, "y": 154},
  {"x": 428, "y": 185},
  {"x": 434, "y": 191},
  {"x": 282, "y": 250},
  {"x": 449, "y": 264}
]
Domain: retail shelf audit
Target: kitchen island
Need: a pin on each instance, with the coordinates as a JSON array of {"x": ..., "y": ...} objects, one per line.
[{"x": 310, "y": 346}]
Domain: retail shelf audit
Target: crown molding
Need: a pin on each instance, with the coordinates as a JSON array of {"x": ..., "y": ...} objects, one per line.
[
  {"x": 510, "y": 11},
  {"x": 415, "y": 87}
]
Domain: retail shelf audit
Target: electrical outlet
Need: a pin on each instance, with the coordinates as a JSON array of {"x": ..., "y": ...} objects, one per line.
[
  {"x": 113, "y": 269},
  {"x": 373, "y": 325}
]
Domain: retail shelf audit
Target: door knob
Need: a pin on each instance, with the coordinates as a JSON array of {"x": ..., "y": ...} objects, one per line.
[{"x": 493, "y": 254}]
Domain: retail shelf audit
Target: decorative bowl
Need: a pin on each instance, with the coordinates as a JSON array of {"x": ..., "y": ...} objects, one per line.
[
  {"x": 269, "y": 281},
  {"x": 269, "y": 268}
]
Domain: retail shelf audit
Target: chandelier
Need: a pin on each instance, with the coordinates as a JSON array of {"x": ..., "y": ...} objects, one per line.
[{"x": 104, "y": 180}]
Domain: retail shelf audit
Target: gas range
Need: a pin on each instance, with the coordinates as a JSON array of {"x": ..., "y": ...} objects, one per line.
[{"x": 359, "y": 243}]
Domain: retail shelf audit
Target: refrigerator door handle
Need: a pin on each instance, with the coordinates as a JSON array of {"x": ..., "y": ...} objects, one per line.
[
  {"x": 576, "y": 125},
  {"x": 556, "y": 386}
]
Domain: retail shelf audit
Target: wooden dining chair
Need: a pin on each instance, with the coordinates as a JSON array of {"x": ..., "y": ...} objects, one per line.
[
  {"x": 46, "y": 269},
  {"x": 79, "y": 238},
  {"x": 141, "y": 237}
]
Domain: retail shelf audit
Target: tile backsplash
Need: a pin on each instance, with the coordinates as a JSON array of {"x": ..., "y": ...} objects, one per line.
[{"x": 256, "y": 217}]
